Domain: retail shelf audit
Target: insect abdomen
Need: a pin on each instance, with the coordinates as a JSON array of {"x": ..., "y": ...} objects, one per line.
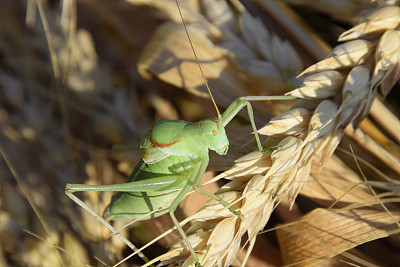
[{"x": 134, "y": 205}]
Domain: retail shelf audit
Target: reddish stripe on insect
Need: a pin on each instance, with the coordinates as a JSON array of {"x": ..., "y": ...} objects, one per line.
[{"x": 162, "y": 145}]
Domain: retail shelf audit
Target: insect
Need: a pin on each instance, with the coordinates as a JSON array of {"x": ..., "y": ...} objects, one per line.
[{"x": 175, "y": 155}]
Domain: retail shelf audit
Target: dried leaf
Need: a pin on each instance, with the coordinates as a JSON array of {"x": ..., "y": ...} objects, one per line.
[{"x": 323, "y": 234}]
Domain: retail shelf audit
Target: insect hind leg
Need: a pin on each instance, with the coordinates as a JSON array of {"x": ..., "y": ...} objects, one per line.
[{"x": 70, "y": 194}]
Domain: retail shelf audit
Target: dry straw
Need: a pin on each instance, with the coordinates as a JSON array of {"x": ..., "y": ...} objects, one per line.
[{"x": 336, "y": 92}]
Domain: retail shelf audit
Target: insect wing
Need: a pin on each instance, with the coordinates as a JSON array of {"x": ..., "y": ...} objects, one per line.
[{"x": 150, "y": 152}]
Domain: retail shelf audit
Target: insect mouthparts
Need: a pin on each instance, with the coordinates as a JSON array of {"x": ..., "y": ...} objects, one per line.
[{"x": 223, "y": 152}]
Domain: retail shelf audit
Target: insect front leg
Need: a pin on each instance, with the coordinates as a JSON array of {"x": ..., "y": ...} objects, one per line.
[
  {"x": 223, "y": 202},
  {"x": 240, "y": 103}
]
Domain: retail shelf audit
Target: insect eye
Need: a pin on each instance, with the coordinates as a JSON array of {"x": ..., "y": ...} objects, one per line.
[{"x": 214, "y": 132}]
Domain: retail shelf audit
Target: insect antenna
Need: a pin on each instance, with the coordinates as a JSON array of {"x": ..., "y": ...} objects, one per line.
[{"x": 197, "y": 60}]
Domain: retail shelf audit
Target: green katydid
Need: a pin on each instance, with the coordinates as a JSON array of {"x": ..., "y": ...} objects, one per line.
[{"x": 174, "y": 159}]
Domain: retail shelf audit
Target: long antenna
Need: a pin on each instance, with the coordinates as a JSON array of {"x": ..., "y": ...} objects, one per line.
[{"x": 197, "y": 60}]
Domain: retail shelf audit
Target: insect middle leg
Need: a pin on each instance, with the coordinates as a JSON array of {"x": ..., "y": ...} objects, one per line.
[{"x": 194, "y": 181}]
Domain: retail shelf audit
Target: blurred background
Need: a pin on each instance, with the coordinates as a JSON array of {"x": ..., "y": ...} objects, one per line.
[{"x": 78, "y": 77}]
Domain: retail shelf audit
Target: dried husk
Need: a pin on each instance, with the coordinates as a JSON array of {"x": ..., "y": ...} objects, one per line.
[
  {"x": 320, "y": 85},
  {"x": 387, "y": 71},
  {"x": 383, "y": 19},
  {"x": 346, "y": 55}
]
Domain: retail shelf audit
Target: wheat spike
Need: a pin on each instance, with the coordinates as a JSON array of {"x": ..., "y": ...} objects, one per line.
[{"x": 344, "y": 85}]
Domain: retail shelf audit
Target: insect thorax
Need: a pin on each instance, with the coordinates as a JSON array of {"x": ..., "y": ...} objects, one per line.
[{"x": 183, "y": 164}]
